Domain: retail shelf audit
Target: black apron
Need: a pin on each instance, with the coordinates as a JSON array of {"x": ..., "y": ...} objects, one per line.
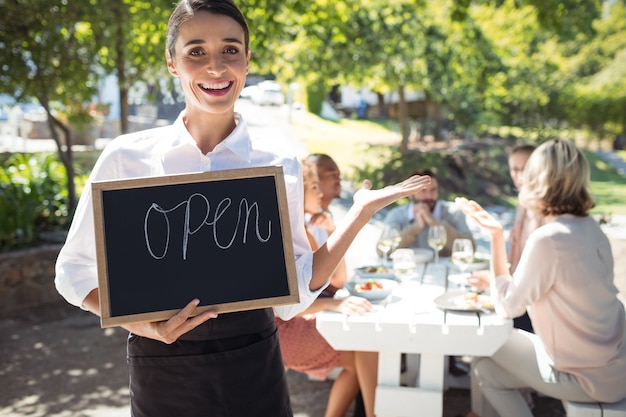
[{"x": 230, "y": 366}]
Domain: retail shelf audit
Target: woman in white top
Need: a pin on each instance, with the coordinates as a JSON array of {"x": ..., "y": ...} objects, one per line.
[
  {"x": 226, "y": 365},
  {"x": 565, "y": 280}
]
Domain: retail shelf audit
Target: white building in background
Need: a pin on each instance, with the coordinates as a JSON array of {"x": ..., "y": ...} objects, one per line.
[
  {"x": 351, "y": 95},
  {"x": 109, "y": 94}
]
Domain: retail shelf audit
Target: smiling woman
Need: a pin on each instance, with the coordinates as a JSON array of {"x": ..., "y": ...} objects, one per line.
[
  {"x": 212, "y": 64},
  {"x": 204, "y": 362}
]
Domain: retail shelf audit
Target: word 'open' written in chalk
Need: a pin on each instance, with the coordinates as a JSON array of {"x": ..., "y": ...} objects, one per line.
[{"x": 222, "y": 238}]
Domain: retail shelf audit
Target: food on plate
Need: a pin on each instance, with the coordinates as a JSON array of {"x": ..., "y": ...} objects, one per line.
[
  {"x": 374, "y": 272},
  {"x": 374, "y": 269},
  {"x": 485, "y": 301},
  {"x": 371, "y": 285},
  {"x": 479, "y": 260},
  {"x": 372, "y": 289},
  {"x": 475, "y": 300}
]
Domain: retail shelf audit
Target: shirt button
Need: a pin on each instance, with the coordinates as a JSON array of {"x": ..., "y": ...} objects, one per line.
[{"x": 206, "y": 161}]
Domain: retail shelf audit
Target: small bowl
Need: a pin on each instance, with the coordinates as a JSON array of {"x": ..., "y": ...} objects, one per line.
[
  {"x": 377, "y": 294},
  {"x": 374, "y": 272}
]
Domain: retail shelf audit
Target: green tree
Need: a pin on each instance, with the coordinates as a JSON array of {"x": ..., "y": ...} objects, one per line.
[
  {"x": 566, "y": 18},
  {"x": 390, "y": 47},
  {"x": 521, "y": 91},
  {"x": 48, "y": 54},
  {"x": 458, "y": 52},
  {"x": 462, "y": 66},
  {"x": 57, "y": 53},
  {"x": 131, "y": 39},
  {"x": 596, "y": 71},
  {"x": 358, "y": 42}
]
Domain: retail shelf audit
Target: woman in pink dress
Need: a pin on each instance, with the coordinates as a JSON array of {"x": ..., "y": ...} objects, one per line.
[{"x": 305, "y": 350}]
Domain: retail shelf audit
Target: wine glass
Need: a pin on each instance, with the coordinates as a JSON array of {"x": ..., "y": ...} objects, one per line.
[
  {"x": 437, "y": 239},
  {"x": 462, "y": 253},
  {"x": 388, "y": 241},
  {"x": 404, "y": 263}
]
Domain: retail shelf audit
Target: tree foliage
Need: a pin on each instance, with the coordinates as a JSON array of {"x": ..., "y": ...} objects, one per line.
[
  {"x": 130, "y": 35},
  {"x": 565, "y": 18},
  {"x": 529, "y": 63},
  {"x": 596, "y": 69},
  {"x": 48, "y": 55},
  {"x": 57, "y": 53},
  {"x": 520, "y": 62}
]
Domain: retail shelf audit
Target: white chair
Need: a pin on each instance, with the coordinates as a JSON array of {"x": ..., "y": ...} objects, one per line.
[{"x": 576, "y": 409}]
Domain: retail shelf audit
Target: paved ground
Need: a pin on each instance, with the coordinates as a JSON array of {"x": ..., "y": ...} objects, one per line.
[{"x": 57, "y": 362}]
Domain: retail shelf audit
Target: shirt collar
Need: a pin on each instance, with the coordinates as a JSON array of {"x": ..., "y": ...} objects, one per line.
[{"x": 237, "y": 142}]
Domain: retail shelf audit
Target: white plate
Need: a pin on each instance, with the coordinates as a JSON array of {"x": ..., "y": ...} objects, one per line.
[
  {"x": 457, "y": 301},
  {"x": 374, "y": 272},
  {"x": 373, "y": 295}
]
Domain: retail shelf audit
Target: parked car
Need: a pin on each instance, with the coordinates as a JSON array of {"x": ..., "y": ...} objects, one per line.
[
  {"x": 267, "y": 93},
  {"x": 248, "y": 92}
]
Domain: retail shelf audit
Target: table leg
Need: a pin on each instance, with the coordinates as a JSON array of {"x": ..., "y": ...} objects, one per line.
[
  {"x": 389, "y": 368},
  {"x": 432, "y": 368},
  {"x": 426, "y": 399}
]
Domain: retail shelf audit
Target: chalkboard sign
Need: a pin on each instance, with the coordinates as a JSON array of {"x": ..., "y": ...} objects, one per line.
[{"x": 223, "y": 237}]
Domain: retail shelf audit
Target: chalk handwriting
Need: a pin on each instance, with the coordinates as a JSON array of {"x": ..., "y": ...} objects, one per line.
[{"x": 222, "y": 237}]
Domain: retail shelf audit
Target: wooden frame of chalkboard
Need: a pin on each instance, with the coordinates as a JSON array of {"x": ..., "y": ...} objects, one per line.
[{"x": 223, "y": 237}]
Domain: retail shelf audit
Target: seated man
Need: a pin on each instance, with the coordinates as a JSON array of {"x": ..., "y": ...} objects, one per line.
[
  {"x": 414, "y": 219},
  {"x": 425, "y": 210}
]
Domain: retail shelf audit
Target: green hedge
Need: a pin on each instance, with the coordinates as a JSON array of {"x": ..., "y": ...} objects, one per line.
[
  {"x": 475, "y": 170},
  {"x": 33, "y": 199}
]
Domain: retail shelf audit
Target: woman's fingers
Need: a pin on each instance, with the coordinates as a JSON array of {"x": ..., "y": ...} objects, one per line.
[
  {"x": 468, "y": 206},
  {"x": 479, "y": 279},
  {"x": 182, "y": 322},
  {"x": 415, "y": 183},
  {"x": 478, "y": 213},
  {"x": 355, "y": 305}
]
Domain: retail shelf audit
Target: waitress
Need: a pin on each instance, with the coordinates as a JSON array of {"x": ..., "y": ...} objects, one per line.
[{"x": 205, "y": 365}]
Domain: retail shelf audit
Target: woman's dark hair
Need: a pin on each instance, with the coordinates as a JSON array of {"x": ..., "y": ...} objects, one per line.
[
  {"x": 186, "y": 9},
  {"x": 525, "y": 148}
]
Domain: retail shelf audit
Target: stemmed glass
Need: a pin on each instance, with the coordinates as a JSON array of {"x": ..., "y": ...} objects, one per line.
[
  {"x": 462, "y": 253},
  {"x": 404, "y": 263},
  {"x": 387, "y": 242},
  {"x": 437, "y": 239}
]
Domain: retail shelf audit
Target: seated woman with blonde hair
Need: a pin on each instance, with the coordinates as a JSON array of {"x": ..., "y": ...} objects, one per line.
[{"x": 565, "y": 280}]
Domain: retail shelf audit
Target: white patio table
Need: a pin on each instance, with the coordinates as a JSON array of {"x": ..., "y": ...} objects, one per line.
[{"x": 410, "y": 322}]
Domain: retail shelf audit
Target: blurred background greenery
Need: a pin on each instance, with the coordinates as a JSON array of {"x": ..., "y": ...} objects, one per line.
[
  {"x": 452, "y": 85},
  {"x": 33, "y": 195}
]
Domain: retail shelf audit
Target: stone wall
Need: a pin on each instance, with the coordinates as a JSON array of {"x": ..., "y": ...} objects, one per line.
[{"x": 27, "y": 278}]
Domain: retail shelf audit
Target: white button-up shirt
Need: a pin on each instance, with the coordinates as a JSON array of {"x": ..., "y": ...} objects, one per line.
[{"x": 171, "y": 150}]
